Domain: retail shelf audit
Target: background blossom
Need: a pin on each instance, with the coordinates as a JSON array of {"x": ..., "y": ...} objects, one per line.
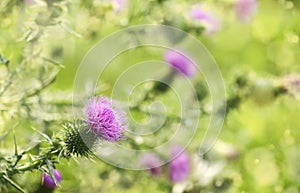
[
  {"x": 245, "y": 10},
  {"x": 180, "y": 62},
  {"x": 152, "y": 162},
  {"x": 179, "y": 167},
  {"x": 207, "y": 18}
]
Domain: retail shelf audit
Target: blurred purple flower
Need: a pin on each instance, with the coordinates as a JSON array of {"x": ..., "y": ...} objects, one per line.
[
  {"x": 106, "y": 121},
  {"x": 152, "y": 162},
  {"x": 208, "y": 19},
  {"x": 180, "y": 62},
  {"x": 245, "y": 10},
  {"x": 179, "y": 167},
  {"x": 119, "y": 4},
  {"x": 29, "y": 2},
  {"x": 48, "y": 182}
]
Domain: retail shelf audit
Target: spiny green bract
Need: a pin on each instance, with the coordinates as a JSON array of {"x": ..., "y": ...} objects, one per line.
[{"x": 78, "y": 140}]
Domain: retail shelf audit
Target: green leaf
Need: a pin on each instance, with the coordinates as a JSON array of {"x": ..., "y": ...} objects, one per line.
[
  {"x": 15, "y": 143},
  {"x": 5, "y": 135},
  {"x": 13, "y": 183},
  {"x": 53, "y": 62},
  {"x": 69, "y": 30},
  {"x": 7, "y": 132},
  {"x": 60, "y": 154},
  {"x": 30, "y": 147},
  {"x": 50, "y": 168},
  {"x": 48, "y": 139}
]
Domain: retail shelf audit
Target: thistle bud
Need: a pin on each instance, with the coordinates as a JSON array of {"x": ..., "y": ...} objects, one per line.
[
  {"x": 78, "y": 141},
  {"x": 48, "y": 182}
]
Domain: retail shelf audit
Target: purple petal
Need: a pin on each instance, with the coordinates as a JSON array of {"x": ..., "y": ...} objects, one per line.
[
  {"x": 48, "y": 182},
  {"x": 104, "y": 119}
]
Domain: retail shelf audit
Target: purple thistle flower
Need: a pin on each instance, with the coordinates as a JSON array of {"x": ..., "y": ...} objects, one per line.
[
  {"x": 152, "y": 162},
  {"x": 48, "y": 182},
  {"x": 104, "y": 120},
  {"x": 208, "y": 19},
  {"x": 179, "y": 167},
  {"x": 180, "y": 62},
  {"x": 245, "y": 10}
]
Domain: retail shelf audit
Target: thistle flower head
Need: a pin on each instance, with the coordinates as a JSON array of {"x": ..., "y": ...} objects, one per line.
[
  {"x": 47, "y": 180},
  {"x": 245, "y": 9},
  {"x": 207, "y": 18},
  {"x": 152, "y": 162},
  {"x": 104, "y": 120},
  {"x": 179, "y": 167},
  {"x": 180, "y": 62}
]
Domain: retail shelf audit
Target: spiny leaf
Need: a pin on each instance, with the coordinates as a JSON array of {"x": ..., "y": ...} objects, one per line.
[
  {"x": 51, "y": 169},
  {"x": 30, "y": 146},
  {"x": 69, "y": 30},
  {"x": 13, "y": 183},
  {"x": 43, "y": 135},
  {"x": 15, "y": 143},
  {"x": 53, "y": 62},
  {"x": 5, "y": 135},
  {"x": 60, "y": 154},
  {"x": 7, "y": 132}
]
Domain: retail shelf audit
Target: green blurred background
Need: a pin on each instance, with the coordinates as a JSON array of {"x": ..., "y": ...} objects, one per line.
[{"x": 264, "y": 135}]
